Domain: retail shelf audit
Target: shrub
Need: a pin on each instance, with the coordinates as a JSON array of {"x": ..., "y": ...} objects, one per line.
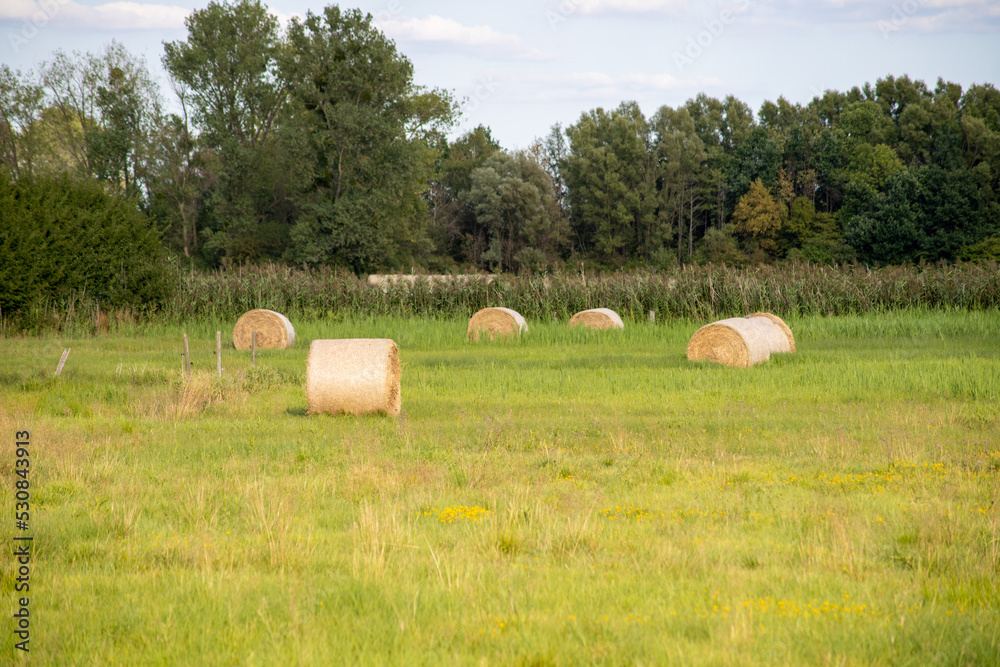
[{"x": 61, "y": 238}]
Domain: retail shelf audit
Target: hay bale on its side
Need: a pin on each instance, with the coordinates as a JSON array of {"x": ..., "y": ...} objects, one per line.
[
  {"x": 738, "y": 342},
  {"x": 597, "y": 318},
  {"x": 353, "y": 376},
  {"x": 274, "y": 331},
  {"x": 496, "y": 322},
  {"x": 787, "y": 332},
  {"x": 776, "y": 340}
]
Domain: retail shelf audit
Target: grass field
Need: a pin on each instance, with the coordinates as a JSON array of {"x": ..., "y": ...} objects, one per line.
[{"x": 568, "y": 498}]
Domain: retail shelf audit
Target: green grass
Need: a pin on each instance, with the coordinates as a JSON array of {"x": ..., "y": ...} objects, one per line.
[{"x": 567, "y": 498}]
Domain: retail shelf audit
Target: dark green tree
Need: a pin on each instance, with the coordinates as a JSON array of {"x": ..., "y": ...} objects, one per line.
[
  {"x": 177, "y": 183},
  {"x": 513, "y": 201},
  {"x": 359, "y": 124},
  {"x": 228, "y": 66},
  {"x": 884, "y": 228},
  {"x": 923, "y": 214},
  {"x": 128, "y": 102},
  {"x": 611, "y": 176},
  {"x": 60, "y": 236},
  {"x": 452, "y": 223},
  {"x": 757, "y": 157},
  {"x": 681, "y": 180}
]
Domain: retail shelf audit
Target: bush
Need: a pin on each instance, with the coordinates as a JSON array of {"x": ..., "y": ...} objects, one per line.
[
  {"x": 720, "y": 247},
  {"x": 988, "y": 250},
  {"x": 61, "y": 238}
]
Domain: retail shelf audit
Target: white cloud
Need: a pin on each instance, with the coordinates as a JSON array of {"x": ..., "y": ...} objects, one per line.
[
  {"x": 108, "y": 16},
  {"x": 625, "y": 6},
  {"x": 479, "y": 39},
  {"x": 919, "y": 15},
  {"x": 634, "y": 81},
  {"x": 922, "y": 15},
  {"x": 590, "y": 79},
  {"x": 594, "y": 85},
  {"x": 283, "y": 18}
]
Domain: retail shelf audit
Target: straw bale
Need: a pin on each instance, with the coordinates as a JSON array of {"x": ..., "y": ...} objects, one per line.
[
  {"x": 597, "y": 318},
  {"x": 274, "y": 331},
  {"x": 789, "y": 346},
  {"x": 353, "y": 376},
  {"x": 496, "y": 322},
  {"x": 774, "y": 336},
  {"x": 385, "y": 281},
  {"x": 739, "y": 342}
]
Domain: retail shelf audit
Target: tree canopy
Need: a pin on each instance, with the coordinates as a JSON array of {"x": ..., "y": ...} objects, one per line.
[{"x": 311, "y": 144}]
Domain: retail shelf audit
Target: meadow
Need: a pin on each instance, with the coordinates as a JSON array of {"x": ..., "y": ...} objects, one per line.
[{"x": 570, "y": 497}]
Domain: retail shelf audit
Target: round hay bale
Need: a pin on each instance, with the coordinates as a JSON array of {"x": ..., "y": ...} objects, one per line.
[
  {"x": 597, "y": 318},
  {"x": 780, "y": 323},
  {"x": 739, "y": 342},
  {"x": 354, "y": 376},
  {"x": 496, "y": 322},
  {"x": 274, "y": 331},
  {"x": 777, "y": 342}
]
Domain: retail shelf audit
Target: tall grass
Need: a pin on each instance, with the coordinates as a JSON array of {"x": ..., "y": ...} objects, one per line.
[
  {"x": 693, "y": 292},
  {"x": 690, "y": 292}
]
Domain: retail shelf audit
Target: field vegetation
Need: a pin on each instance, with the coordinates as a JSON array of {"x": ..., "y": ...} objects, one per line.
[
  {"x": 693, "y": 292},
  {"x": 570, "y": 497}
]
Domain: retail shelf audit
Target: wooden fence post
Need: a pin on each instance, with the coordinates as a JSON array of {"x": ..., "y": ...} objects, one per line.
[
  {"x": 187, "y": 357},
  {"x": 218, "y": 352},
  {"x": 62, "y": 361}
]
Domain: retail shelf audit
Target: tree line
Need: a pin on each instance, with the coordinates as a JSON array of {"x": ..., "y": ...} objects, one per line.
[{"x": 312, "y": 145}]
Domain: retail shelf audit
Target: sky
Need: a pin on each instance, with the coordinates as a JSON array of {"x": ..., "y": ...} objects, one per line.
[{"x": 521, "y": 66}]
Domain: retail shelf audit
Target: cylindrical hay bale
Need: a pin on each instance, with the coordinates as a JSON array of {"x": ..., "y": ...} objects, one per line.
[
  {"x": 274, "y": 331},
  {"x": 597, "y": 318},
  {"x": 739, "y": 342},
  {"x": 354, "y": 376},
  {"x": 780, "y": 323},
  {"x": 496, "y": 322},
  {"x": 775, "y": 338}
]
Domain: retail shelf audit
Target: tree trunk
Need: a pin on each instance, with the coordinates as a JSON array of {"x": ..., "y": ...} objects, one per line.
[
  {"x": 680, "y": 236},
  {"x": 691, "y": 222}
]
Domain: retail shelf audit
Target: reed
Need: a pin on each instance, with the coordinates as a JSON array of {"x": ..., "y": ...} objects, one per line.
[{"x": 698, "y": 293}]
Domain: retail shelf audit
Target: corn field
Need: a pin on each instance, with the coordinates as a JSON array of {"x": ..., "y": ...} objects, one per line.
[{"x": 692, "y": 292}]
